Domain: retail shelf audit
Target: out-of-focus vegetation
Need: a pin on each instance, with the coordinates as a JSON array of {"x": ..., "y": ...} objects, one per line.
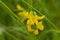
[{"x": 12, "y": 27}]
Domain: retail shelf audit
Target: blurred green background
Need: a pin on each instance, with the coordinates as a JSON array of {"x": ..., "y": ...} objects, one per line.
[{"x": 11, "y": 27}]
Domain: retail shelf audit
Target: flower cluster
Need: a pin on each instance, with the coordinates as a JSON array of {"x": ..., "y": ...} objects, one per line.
[{"x": 32, "y": 19}]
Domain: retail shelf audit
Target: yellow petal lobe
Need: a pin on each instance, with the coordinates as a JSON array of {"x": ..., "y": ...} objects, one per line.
[{"x": 36, "y": 32}]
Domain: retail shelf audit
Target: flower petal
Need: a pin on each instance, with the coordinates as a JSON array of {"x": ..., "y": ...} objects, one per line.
[
  {"x": 36, "y": 32},
  {"x": 29, "y": 28}
]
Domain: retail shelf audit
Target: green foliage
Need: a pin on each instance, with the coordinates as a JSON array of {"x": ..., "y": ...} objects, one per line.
[{"x": 12, "y": 28}]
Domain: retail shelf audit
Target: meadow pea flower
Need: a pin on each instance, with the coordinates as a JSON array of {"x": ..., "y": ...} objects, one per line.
[
  {"x": 23, "y": 14},
  {"x": 40, "y": 26},
  {"x": 29, "y": 28},
  {"x": 36, "y": 32},
  {"x": 42, "y": 17},
  {"x": 31, "y": 20},
  {"x": 19, "y": 7}
]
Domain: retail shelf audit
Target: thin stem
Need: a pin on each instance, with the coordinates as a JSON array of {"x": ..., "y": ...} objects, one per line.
[
  {"x": 58, "y": 31},
  {"x": 31, "y": 3},
  {"x": 40, "y": 14},
  {"x": 12, "y": 13},
  {"x": 11, "y": 35},
  {"x": 15, "y": 19}
]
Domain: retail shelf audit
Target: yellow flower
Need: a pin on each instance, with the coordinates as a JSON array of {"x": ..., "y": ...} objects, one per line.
[
  {"x": 30, "y": 15},
  {"x": 19, "y": 7},
  {"x": 40, "y": 26},
  {"x": 36, "y": 32},
  {"x": 32, "y": 19},
  {"x": 23, "y": 14},
  {"x": 30, "y": 22},
  {"x": 26, "y": 14},
  {"x": 29, "y": 28},
  {"x": 42, "y": 17}
]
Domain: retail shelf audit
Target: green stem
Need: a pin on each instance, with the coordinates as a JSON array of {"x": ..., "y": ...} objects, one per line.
[
  {"x": 11, "y": 35},
  {"x": 58, "y": 31},
  {"x": 15, "y": 19},
  {"x": 31, "y": 3},
  {"x": 11, "y": 12}
]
